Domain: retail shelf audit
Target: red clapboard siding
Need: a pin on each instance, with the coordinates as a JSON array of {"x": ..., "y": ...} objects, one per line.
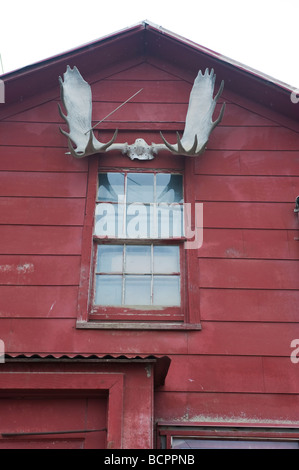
[
  {"x": 249, "y": 273},
  {"x": 254, "y": 162},
  {"x": 254, "y": 305},
  {"x": 62, "y": 337},
  {"x": 41, "y": 211},
  {"x": 226, "y": 138},
  {"x": 31, "y": 134},
  {"x": 143, "y": 71},
  {"x": 40, "y": 240},
  {"x": 153, "y": 91},
  {"x": 237, "y": 374},
  {"x": 250, "y": 215},
  {"x": 130, "y": 112},
  {"x": 280, "y": 375},
  {"x": 247, "y": 188},
  {"x": 38, "y": 301},
  {"x": 238, "y": 366},
  {"x": 39, "y": 270},
  {"x": 244, "y": 339},
  {"x": 36, "y": 184},
  {"x": 40, "y": 160},
  {"x": 142, "y": 109},
  {"x": 216, "y": 338},
  {"x": 253, "y": 138},
  {"x": 237, "y": 243},
  {"x": 242, "y": 374},
  {"x": 228, "y": 408}
]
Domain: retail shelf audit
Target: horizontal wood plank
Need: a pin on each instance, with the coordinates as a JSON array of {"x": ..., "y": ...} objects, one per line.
[
  {"x": 48, "y": 335},
  {"x": 143, "y": 71},
  {"x": 38, "y": 301},
  {"x": 39, "y": 270},
  {"x": 215, "y": 338},
  {"x": 250, "y": 215},
  {"x": 244, "y": 339},
  {"x": 232, "y": 375},
  {"x": 216, "y": 373},
  {"x": 248, "y": 274},
  {"x": 252, "y": 162},
  {"x": 153, "y": 91},
  {"x": 40, "y": 240},
  {"x": 37, "y": 159},
  {"x": 253, "y": 138},
  {"x": 34, "y": 184},
  {"x": 249, "y": 305},
  {"x": 41, "y": 211},
  {"x": 142, "y": 110},
  {"x": 227, "y": 408},
  {"x": 247, "y": 188},
  {"x": 238, "y": 243},
  {"x": 223, "y": 137}
]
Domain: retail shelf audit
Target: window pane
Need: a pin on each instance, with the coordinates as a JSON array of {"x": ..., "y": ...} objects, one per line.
[
  {"x": 230, "y": 444},
  {"x": 166, "y": 259},
  {"x": 169, "y": 188},
  {"x": 108, "y": 290},
  {"x": 169, "y": 220},
  {"x": 140, "y": 187},
  {"x": 110, "y": 259},
  {"x": 111, "y": 186},
  {"x": 138, "y": 220},
  {"x": 138, "y": 259},
  {"x": 109, "y": 220},
  {"x": 167, "y": 290},
  {"x": 138, "y": 290}
]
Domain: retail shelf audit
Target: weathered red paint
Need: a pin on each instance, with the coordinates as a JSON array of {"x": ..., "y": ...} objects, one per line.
[{"x": 242, "y": 284}]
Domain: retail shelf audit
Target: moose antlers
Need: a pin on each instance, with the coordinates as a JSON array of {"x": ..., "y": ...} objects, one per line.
[{"x": 77, "y": 100}]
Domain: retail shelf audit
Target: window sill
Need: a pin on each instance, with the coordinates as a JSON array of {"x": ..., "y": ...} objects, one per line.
[{"x": 99, "y": 325}]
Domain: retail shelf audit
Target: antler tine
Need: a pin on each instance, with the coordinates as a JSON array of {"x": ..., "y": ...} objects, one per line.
[
  {"x": 219, "y": 119},
  {"x": 168, "y": 145},
  {"x": 180, "y": 150}
]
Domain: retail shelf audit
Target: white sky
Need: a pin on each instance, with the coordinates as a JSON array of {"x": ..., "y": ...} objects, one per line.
[{"x": 262, "y": 34}]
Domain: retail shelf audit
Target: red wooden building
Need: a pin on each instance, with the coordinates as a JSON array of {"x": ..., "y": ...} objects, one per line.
[{"x": 217, "y": 364}]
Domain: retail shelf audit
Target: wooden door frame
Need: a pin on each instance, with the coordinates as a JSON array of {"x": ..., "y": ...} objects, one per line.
[{"x": 112, "y": 383}]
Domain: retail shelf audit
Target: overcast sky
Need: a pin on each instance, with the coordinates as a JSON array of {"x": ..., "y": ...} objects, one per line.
[{"x": 262, "y": 34}]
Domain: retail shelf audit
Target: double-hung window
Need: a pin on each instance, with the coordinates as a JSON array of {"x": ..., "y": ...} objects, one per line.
[{"x": 138, "y": 267}]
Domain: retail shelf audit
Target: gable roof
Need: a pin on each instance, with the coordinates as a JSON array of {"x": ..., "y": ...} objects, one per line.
[{"x": 145, "y": 40}]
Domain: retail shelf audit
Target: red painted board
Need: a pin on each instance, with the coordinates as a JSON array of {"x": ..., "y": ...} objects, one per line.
[
  {"x": 249, "y": 274},
  {"x": 41, "y": 211},
  {"x": 215, "y": 373},
  {"x": 38, "y": 301},
  {"x": 247, "y": 188},
  {"x": 251, "y": 162},
  {"x": 242, "y": 339},
  {"x": 55, "y": 335},
  {"x": 249, "y": 305},
  {"x": 250, "y": 215},
  {"x": 39, "y": 159},
  {"x": 40, "y": 240},
  {"x": 241, "y": 243},
  {"x": 228, "y": 408},
  {"x": 37, "y": 184},
  {"x": 39, "y": 270},
  {"x": 253, "y": 138}
]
